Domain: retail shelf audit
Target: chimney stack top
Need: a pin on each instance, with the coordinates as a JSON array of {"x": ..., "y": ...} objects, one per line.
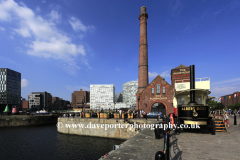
[{"x": 143, "y": 9}]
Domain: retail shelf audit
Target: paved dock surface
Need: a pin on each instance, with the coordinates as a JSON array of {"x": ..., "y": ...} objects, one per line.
[
  {"x": 143, "y": 146},
  {"x": 186, "y": 145},
  {"x": 190, "y": 145}
]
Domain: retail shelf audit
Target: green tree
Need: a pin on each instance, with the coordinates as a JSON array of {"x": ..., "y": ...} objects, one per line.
[
  {"x": 237, "y": 106},
  {"x": 220, "y": 106},
  {"x": 232, "y": 106},
  {"x": 212, "y": 104}
]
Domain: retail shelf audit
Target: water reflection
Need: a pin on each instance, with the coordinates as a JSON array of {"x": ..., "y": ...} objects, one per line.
[{"x": 44, "y": 142}]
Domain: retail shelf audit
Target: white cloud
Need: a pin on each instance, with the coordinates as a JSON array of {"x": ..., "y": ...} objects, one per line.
[
  {"x": 155, "y": 74},
  {"x": 77, "y": 25},
  {"x": 23, "y": 32},
  {"x": 152, "y": 74},
  {"x": 54, "y": 16},
  {"x": 24, "y": 83},
  {"x": 77, "y": 88},
  {"x": 46, "y": 39},
  {"x": 165, "y": 74},
  {"x": 2, "y": 29},
  {"x": 228, "y": 81},
  {"x": 38, "y": 9},
  {"x": 222, "y": 88},
  {"x": 6, "y": 60}
]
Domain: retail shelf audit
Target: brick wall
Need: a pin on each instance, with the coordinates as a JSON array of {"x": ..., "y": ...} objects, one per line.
[{"x": 147, "y": 99}]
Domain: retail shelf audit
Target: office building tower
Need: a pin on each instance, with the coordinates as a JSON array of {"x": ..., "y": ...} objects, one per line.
[
  {"x": 10, "y": 88},
  {"x": 102, "y": 96},
  {"x": 129, "y": 91}
]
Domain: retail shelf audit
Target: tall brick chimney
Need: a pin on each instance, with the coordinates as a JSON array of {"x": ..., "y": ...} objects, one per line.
[{"x": 143, "y": 51}]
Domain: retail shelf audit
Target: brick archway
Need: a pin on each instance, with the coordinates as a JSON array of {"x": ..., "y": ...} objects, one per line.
[{"x": 157, "y": 101}]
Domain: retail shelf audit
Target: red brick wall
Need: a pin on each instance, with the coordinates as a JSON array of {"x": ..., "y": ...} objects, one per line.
[
  {"x": 233, "y": 100},
  {"x": 24, "y": 104},
  {"x": 146, "y": 96},
  {"x": 180, "y": 74},
  {"x": 77, "y": 97},
  {"x": 143, "y": 52}
]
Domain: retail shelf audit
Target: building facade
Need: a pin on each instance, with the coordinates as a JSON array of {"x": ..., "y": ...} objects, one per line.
[
  {"x": 10, "y": 88},
  {"x": 102, "y": 96},
  {"x": 157, "y": 97},
  {"x": 59, "y": 104},
  {"x": 77, "y": 97},
  {"x": 129, "y": 91},
  {"x": 180, "y": 74},
  {"x": 40, "y": 100},
  {"x": 230, "y": 99}
]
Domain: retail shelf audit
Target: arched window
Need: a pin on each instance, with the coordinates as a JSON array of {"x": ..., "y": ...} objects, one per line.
[
  {"x": 158, "y": 88},
  {"x": 152, "y": 90}
]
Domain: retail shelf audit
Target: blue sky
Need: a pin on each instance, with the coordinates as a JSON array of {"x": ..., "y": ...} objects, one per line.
[{"x": 60, "y": 46}]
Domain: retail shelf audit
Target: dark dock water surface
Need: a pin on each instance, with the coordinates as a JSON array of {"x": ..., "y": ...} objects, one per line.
[{"x": 44, "y": 142}]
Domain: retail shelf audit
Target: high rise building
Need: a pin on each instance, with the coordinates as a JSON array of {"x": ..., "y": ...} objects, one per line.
[
  {"x": 102, "y": 96},
  {"x": 77, "y": 97},
  {"x": 10, "y": 88},
  {"x": 129, "y": 91},
  {"x": 119, "y": 97},
  {"x": 40, "y": 100}
]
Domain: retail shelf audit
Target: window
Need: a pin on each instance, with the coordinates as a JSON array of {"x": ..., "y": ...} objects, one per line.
[
  {"x": 180, "y": 100},
  {"x": 198, "y": 100},
  {"x": 163, "y": 89},
  {"x": 158, "y": 88},
  {"x": 152, "y": 90}
]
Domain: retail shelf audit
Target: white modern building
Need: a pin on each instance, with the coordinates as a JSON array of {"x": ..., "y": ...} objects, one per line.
[
  {"x": 129, "y": 91},
  {"x": 40, "y": 100},
  {"x": 102, "y": 96}
]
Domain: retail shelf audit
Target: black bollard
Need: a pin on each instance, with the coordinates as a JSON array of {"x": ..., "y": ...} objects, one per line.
[
  {"x": 235, "y": 119},
  {"x": 159, "y": 156},
  {"x": 157, "y": 132}
]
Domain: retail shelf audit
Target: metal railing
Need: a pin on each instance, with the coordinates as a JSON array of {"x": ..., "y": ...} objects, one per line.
[{"x": 220, "y": 115}]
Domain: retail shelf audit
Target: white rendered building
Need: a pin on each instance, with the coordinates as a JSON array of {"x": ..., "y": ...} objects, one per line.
[{"x": 102, "y": 96}]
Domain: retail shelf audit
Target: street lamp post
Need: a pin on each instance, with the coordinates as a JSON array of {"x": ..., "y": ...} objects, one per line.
[
  {"x": 83, "y": 100},
  {"x": 138, "y": 107}
]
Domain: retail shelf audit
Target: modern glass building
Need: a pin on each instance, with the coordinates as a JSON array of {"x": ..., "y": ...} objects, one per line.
[
  {"x": 102, "y": 96},
  {"x": 129, "y": 91},
  {"x": 119, "y": 97},
  {"x": 10, "y": 88}
]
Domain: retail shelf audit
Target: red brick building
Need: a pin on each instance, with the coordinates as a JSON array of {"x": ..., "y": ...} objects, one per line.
[
  {"x": 230, "y": 99},
  {"x": 77, "y": 97},
  {"x": 158, "y": 95},
  {"x": 59, "y": 104},
  {"x": 180, "y": 74},
  {"x": 24, "y": 105}
]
